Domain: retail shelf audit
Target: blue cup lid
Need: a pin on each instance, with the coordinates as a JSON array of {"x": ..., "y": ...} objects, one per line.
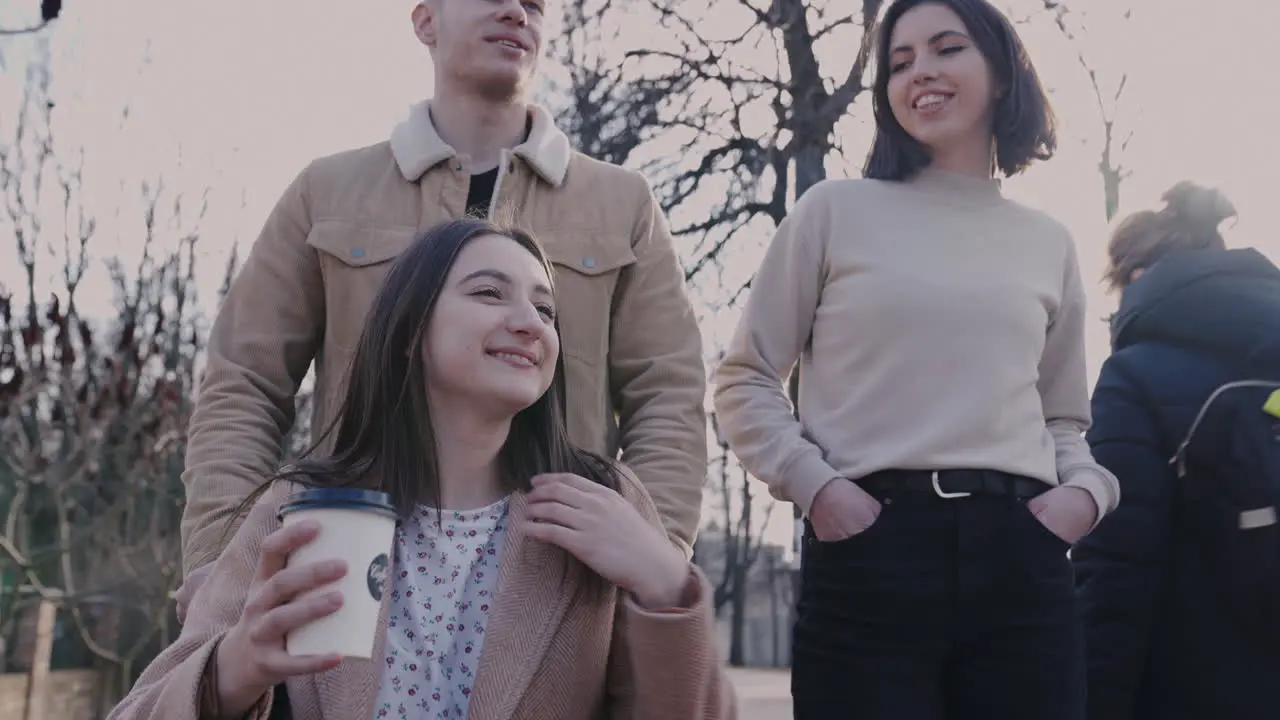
[{"x": 340, "y": 499}]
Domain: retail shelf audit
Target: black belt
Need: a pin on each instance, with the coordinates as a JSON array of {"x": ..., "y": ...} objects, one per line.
[{"x": 952, "y": 483}]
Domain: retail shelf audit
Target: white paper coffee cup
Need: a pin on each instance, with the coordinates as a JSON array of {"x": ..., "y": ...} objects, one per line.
[{"x": 357, "y": 526}]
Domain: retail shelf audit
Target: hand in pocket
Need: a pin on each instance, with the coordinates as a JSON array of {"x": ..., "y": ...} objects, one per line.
[
  {"x": 841, "y": 510},
  {"x": 1067, "y": 512}
]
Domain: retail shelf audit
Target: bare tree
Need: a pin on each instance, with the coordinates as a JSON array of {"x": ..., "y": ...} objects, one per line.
[
  {"x": 699, "y": 87},
  {"x": 740, "y": 538},
  {"x": 698, "y": 84},
  {"x": 49, "y": 11},
  {"x": 93, "y": 410},
  {"x": 604, "y": 109},
  {"x": 751, "y": 173},
  {"x": 804, "y": 102},
  {"x": 1114, "y": 143},
  {"x": 781, "y": 602}
]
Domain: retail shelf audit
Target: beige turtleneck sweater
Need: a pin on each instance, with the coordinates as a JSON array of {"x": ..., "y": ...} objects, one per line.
[{"x": 938, "y": 325}]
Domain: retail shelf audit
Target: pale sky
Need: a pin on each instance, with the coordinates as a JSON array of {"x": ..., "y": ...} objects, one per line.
[{"x": 246, "y": 93}]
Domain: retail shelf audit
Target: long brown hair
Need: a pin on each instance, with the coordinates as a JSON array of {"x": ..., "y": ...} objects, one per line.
[
  {"x": 1188, "y": 221},
  {"x": 384, "y": 423}
]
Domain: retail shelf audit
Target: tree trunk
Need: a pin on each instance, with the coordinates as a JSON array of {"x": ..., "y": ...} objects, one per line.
[
  {"x": 773, "y": 612},
  {"x": 811, "y": 166},
  {"x": 811, "y": 169},
  {"x": 742, "y": 556},
  {"x": 38, "y": 676},
  {"x": 738, "y": 618}
]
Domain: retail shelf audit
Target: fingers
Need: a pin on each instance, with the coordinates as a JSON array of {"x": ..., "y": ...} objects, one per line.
[
  {"x": 566, "y": 481},
  {"x": 292, "y": 582},
  {"x": 282, "y": 665},
  {"x": 833, "y": 533},
  {"x": 280, "y": 621},
  {"x": 553, "y": 511},
  {"x": 558, "y": 535},
  {"x": 561, "y": 493},
  {"x": 280, "y": 544}
]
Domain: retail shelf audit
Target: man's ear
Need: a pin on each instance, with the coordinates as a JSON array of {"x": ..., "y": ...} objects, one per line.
[{"x": 425, "y": 21}]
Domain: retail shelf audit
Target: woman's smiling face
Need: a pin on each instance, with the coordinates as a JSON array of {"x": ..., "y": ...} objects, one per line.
[
  {"x": 491, "y": 344},
  {"x": 941, "y": 89}
]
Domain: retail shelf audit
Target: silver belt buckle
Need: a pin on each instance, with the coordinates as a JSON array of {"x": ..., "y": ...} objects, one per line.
[{"x": 946, "y": 495}]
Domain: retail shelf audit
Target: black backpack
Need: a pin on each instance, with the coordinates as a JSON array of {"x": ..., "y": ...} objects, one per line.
[{"x": 1229, "y": 467}]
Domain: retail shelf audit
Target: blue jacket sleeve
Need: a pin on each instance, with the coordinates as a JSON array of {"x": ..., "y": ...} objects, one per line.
[{"x": 1122, "y": 565}]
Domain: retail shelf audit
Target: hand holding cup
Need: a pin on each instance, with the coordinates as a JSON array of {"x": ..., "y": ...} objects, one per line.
[{"x": 251, "y": 657}]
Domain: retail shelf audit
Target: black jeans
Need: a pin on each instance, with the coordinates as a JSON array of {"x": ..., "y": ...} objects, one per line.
[{"x": 944, "y": 609}]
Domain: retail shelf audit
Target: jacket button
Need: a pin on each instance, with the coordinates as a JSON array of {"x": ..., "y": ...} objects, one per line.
[
  {"x": 588, "y": 262},
  {"x": 357, "y": 252}
]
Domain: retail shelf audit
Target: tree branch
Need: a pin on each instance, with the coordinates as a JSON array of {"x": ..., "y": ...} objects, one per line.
[{"x": 29, "y": 30}]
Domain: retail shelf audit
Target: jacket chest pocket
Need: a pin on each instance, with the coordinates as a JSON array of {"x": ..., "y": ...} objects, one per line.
[
  {"x": 588, "y": 269},
  {"x": 354, "y": 259}
]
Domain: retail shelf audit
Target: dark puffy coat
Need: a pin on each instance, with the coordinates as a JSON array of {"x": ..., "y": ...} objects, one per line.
[{"x": 1161, "y": 644}]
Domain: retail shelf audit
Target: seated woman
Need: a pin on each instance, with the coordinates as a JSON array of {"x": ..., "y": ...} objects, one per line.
[{"x": 566, "y": 600}]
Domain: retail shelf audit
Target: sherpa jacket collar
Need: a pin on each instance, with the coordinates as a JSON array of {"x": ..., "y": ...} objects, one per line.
[{"x": 417, "y": 146}]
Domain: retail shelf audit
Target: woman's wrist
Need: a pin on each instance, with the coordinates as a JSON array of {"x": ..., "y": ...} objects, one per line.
[
  {"x": 664, "y": 587},
  {"x": 1088, "y": 506},
  {"x": 231, "y": 700}
]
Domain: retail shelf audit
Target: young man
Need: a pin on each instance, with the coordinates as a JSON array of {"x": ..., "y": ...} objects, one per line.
[{"x": 632, "y": 348}]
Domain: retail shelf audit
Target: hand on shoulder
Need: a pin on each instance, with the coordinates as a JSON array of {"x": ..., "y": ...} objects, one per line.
[{"x": 609, "y": 535}]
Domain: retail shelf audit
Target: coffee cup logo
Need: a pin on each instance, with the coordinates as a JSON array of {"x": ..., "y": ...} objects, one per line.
[{"x": 377, "y": 576}]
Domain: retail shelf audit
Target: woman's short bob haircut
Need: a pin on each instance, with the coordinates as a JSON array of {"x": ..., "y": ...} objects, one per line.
[{"x": 1023, "y": 128}]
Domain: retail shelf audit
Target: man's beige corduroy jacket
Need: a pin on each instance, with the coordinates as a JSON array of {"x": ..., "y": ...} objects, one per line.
[{"x": 632, "y": 347}]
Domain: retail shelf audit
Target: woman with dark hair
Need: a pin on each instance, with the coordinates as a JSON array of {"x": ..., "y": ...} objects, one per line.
[
  {"x": 530, "y": 579},
  {"x": 1165, "y": 634},
  {"x": 937, "y": 452}
]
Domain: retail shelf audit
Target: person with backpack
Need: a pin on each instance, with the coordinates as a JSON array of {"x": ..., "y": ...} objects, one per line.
[{"x": 1180, "y": 586}]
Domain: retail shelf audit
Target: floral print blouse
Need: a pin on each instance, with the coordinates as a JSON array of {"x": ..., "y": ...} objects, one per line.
[{"x": 446, "y": 574}]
